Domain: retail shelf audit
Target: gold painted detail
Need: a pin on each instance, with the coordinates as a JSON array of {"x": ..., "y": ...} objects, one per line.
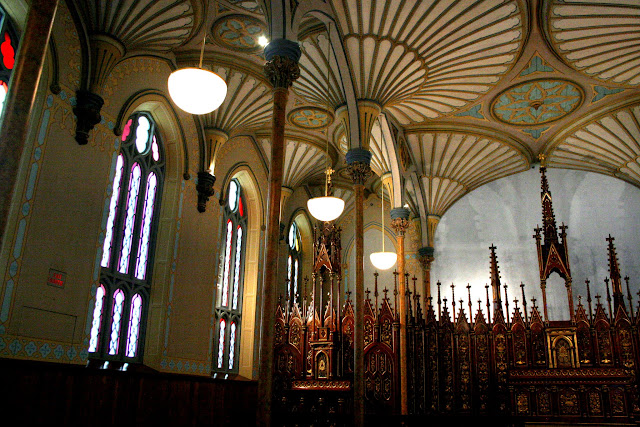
[
  {"x": 400, "y": 225},
  {"x": 582, "y": 373},
  {"x": 281, "y": 71},
  {"x": 359, "y": 172},
  {"x": 321, "y": 385}
]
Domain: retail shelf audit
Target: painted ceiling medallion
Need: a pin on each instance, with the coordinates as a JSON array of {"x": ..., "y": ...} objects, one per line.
[
  {"x": 310, "y": 118},
  {"x": 536, "y": 102},
  {"x": 239, "y": 32},
  {"x": 250, "y": 5}
]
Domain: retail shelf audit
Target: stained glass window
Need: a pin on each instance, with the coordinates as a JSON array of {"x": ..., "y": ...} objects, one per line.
[
  {"x": 230, "y": 276},
  {"x": 134, "y": 325},
  {"x": 128, "y": 248},
  {"x": 97, "y": 319},
  {"x": 294, "y": 263},
  {"x": 116, "y": 320},
  {"x": 8, "y": 49}
]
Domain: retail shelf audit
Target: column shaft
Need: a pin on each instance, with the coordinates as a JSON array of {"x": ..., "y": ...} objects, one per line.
[
  {"x": 358, "y": 350},
  {"x": 269, "y": 285},
  {"x": 18, "y": 106},
  {"x": 402, "y": 289}
]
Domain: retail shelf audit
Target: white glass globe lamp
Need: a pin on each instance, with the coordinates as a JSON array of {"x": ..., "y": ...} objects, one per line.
[
  {"x": 325, "y": 208},
  {"x": 196, "y": 90}
]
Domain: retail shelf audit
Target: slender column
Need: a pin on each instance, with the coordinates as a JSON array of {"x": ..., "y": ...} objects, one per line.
[
  {"x": 358, "y": 160},
  {"x": 400, "y": 223},
  {"x": 18, "y": 106},
  {"x": 426, "y": 258},
  {"x": 282, "y": 69},
  {"x": 543, "y": 288}
]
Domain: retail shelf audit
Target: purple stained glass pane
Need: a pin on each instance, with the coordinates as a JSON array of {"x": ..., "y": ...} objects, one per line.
[
  {"x": 295, "y": 280},
  {"x": 232, "y": 344},
  {"x": 116, "y": 320},
  {"x": 97, "y": 320},
  {"x": 132, "y": 202},
  {"x": 221, "y": 344},
  {"x": 227, "y": 264},
  {"x": 113, "y": 207},
  {"x": 147, "y": 215},
  {"x": 134, "y": 325},
  {"x": 289, "y": 276},
  {"x": 236, "y": 276}
]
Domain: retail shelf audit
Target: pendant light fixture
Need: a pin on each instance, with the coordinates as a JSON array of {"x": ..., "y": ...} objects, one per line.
[
  {"x": 196, "y": 90},
  {"x": 383, "y": 260},
  {"x": 326, "y": 208}
]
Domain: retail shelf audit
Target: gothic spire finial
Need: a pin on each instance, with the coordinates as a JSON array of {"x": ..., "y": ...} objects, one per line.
[
  {"x": 614, "y": 274},
  {"x": 495, "y": 280}
]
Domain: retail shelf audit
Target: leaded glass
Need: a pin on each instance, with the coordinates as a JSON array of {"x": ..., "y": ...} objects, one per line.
[
  {"x": 147, "y": 214},
  {"x": 295, "y": 280},
  {"x": 155, "y": 150},
  {"x": 134, "y": 325},
  {"x": 236, "y": 275},
  {"x": 97, "y": 319},
  {"x": 292, "y": 236},
  {"x": 227, "y": 264},
  {"x": 221, "y": 343},
  {"x": 294, "y": 262},
  {"x": 132, "y": 202},
  {"x": 113, "y": 206},
  {"x": 228, "y": 303},
  {"x": 3, "y": 94},
  {"x": 127, "y": 130},
  {"x": 232, "y": 344},
  {"x": 127, "y": 251},
  {"x": 289, "y": 278},
  {"x": 142, "y": 134},
  {"x": 116, "y": 320},
  {"x": 8, "y": 49},
  {"x": 233, "y": 195}
]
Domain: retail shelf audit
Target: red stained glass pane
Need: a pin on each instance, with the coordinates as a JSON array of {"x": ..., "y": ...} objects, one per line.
[
  {"x": 8, "y": 52},
  {"x": 241, "y": 208}
]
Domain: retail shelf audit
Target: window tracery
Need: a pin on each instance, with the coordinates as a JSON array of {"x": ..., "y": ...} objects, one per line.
[{"x": 122, "y": 298}]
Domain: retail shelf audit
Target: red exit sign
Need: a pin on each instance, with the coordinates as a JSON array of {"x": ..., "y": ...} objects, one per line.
[{"x": 56, "y": 278}]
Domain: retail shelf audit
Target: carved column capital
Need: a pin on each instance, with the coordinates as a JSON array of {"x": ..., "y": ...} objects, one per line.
[
  {"x": 359, "y": 172},
  {"x": 400, "y": 220},
  {"x": 359, "y": 168},
  {"x": 426, "y": 256},
  {"x": 282, "y": 67},
  {"x": 281, "y": 72},
  {"x": 400, "y": 225}
]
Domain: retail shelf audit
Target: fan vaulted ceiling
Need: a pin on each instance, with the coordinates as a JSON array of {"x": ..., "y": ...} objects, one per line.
[{"x": 469, "y": 90}]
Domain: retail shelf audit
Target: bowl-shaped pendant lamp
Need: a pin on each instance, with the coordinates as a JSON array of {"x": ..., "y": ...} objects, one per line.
[
  {"x": 196, "y": 90},
  {"x": 325, "y": 208},
  {"x": 383, "y": 260}
]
